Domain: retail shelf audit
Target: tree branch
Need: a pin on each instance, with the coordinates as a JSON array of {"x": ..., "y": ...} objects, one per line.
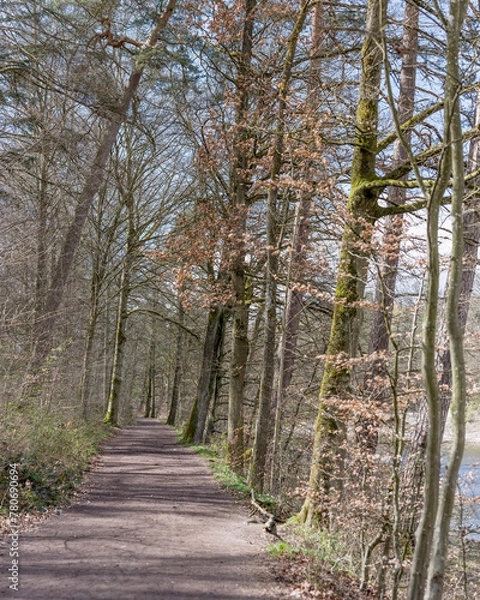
[
  {"x": 417, "y": 119},
  {"x": 164, "y": 318}
]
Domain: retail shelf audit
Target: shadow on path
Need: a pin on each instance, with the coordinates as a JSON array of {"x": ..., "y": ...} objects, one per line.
[{"x": 154, "y": 525}]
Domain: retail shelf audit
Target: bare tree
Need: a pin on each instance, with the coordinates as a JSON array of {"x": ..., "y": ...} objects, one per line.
[
  {"x": 428, "y": 567},
  {"x": 263, "y": 429},
  {"x": 116, "y": 119}
]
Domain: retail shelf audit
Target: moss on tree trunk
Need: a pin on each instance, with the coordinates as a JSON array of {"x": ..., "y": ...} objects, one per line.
[{"x": 356, "y": 240}]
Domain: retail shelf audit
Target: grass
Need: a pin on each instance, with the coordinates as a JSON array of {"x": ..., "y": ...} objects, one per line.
[
  {"x": 222, "y": 472},
  {"x": 225, "y": 475},
  {"x": 282, "y": 548},
  {"x": 51, "y": 452},
  {"x": 318, "y": 544}
]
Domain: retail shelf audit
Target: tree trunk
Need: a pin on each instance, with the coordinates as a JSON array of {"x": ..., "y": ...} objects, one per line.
[
  {"x": 212, "y": 415},
  {"x": 471, "y": 240},
  {"x": 195, "y": 428},
  {"x": 41, "y": 273},
  {"x": 385, "y": 290},
  {"x": 436, "y": 570},
  {"x": 93, "y": 313},
  {"x": 153, "y": 387},
  {"x": 376, "y": 379},
  {"x": 431, "y": 516},
  {"x": 356, "y": 240},
  {"x": 150, "y": 407},
  {"x": 263, "y": 429},
  {"x": 292, "y": 312},
  {"x": 88, "y": 193},
  {"x": 239, "y": 358},
  {"x": 296, "y": 267},
  {"x": 177, "y": 377},
  {"x": 111, "y": 416},
  {"x": 414, "y": 470},
  {"x": 147, "y": 402},
  {"x": 100, "y": 260}
]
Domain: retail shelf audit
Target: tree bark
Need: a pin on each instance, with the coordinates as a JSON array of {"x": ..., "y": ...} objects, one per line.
[
  {"x": 100, "y": 258},
  {"x": 111, "y": 416},
  {"x": 263, "y": 429},
  {"x": 385, "y": 289},
  {"x": 437, "y": 565},
  {"x": 147, "y": 401},
  {"x": 217, "y": 386},
  {"x": 41, "y": 282},
  {"x": 471, "y": 226},
  {"x": 296, "y": 267},
  {"x": 376, "y": 379},
  {"x": 431, "y": 515},
  {"x": 150, "y": 401},
  {"x": 177, "y": 377},
  {"x": 292, "y": 312},
  {"x": 356, "y": 240},
  {"x": 131, "y": 243},
  {"x": 195, "y": 428},
  {"x": 93, "y": 314},
  {"x": 238, "y": 364}
]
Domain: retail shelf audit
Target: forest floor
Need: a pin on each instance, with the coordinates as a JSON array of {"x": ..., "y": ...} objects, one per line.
[{"x": 151, "y": 522}]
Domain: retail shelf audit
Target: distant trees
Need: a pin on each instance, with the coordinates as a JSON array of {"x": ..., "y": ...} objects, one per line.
[{"x": 94, "y": 179}]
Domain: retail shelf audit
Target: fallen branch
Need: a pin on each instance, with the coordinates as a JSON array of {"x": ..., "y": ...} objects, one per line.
[{"x": 270, "y": 525}]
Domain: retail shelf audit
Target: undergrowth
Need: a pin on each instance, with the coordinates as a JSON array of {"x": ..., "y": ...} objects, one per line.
[
  {"x": 51, "y": 453},
  {"x": 226, "y": 477},
  {"x": 316, "y": 564},
  {"x": 316, "y": 543}
]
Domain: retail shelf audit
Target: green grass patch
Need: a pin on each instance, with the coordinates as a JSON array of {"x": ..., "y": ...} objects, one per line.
[
  {"x": 222, "y": 472},
  {"x": 282, "y": 548},
  {"x": 320, "y": 545},
  {"x": 225, "y": 475}
]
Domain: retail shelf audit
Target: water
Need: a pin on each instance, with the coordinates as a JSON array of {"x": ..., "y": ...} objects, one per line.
[{"x": 469, "y": 488}]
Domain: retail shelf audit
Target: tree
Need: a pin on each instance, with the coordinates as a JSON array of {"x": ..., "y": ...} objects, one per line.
[
  {"x": 172, "y": 413},
  {"x": 150, "y": 400},
  {"x": 105, "y": 228},
  {"x": 115, "y": 119},
  {"x": 146, "y": 212},
  {"x": 296, "y": 265},
  {"x": 362, "y": 212},
  {"x": 196, "y": 427},
  {"x": 392, "y": 236},
  {"x": 131, "y": 246},
  {"x": 239, "y": 200},
  {"x": 433, "y": 529},
  {"x": 262, "y": 432}
]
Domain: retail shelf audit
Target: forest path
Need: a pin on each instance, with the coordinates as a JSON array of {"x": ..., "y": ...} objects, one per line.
[{"x": 153, "y": 524}]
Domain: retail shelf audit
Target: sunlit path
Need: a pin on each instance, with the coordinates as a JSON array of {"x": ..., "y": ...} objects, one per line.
[{"x": 153, "y": 525}]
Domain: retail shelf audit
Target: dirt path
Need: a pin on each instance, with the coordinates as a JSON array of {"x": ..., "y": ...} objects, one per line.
[{"x": 154, "y": 524}]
